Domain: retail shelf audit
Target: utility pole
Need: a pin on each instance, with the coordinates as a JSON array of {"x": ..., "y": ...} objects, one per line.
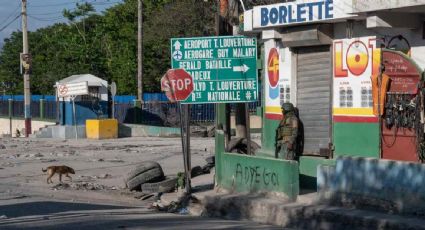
[
  {"x": 140, "y": 51},
  {"x": 27, "y": 66}
]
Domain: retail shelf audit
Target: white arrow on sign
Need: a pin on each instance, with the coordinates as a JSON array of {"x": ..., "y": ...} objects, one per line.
[
  {"x": 243, "y": 68},
  {"x": 177, "y": 45}
]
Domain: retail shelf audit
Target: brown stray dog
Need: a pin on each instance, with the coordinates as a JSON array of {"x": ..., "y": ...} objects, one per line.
[{"x": 63, "y": 169}]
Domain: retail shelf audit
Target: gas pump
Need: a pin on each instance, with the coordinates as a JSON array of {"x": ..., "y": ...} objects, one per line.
[{"x": 401, "y": 123}]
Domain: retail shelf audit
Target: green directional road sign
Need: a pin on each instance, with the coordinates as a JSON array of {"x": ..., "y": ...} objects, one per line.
[{"x": 223, "y": 68}]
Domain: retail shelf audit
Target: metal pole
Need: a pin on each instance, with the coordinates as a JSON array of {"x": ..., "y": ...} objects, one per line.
[
  {"x": 187, "y": 142},
  {"x": 74, "y": 116},
  {"x": 140, "y": 50},
  {"x": 113, "y": 107},
  {"x": 27, "y": 90},
  {"x": 184, "y": 146},
  {"x": 57, "y": 108},
  {"x": 10, "y": 116},
  {"x": 381, "y": 71},
  {"x": 248, "y": 130}
]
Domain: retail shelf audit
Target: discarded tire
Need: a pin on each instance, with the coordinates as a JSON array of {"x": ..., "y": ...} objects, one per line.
[
  {"x": 143, "y": 167},
  {"x": 196, "y": 171},
  {"x": 254, "y": 145},
  {"x": 152, "y": 175},
  {"x": 240, "y": 145},
  {"x": 233, "y": 144},
  {"x": 167, "y": 185}
]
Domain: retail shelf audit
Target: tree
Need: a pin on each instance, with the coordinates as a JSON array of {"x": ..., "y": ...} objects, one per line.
[{"x": 106, "y": 44}]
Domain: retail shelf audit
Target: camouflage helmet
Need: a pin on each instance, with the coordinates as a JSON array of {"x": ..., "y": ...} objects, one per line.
[{"x": 287, "y": 107}]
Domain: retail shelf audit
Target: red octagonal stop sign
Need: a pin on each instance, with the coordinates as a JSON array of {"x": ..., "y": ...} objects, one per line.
[{"x": 177, "y": 84}]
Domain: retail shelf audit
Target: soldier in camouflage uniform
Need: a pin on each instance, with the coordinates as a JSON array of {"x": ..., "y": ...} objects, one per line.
[{"x": 286, "y": 133}]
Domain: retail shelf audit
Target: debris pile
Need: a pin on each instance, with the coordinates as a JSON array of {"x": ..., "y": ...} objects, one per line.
[{"x": 82, "y": 186}]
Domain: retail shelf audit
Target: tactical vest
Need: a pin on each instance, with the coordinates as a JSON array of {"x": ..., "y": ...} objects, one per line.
[{"x": 285, "y": 129}]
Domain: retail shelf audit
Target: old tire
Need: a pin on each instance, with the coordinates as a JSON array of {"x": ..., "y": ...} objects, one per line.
[
  {"x": 196, "y": 171},
  {"x": 141, "y": 168},
  {"x": 152, "y": 175},
  {"x": 167, "y": 185},
  {"x": 233, "y": 143}
]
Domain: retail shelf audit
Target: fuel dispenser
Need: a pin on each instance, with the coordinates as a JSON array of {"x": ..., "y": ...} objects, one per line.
[{"x": 401, "y": 108}]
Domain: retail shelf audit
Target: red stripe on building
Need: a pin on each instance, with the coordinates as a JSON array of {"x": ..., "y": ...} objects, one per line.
[
  {"x": 351, "y": 119},
  {"x": 272, "y": 116}
]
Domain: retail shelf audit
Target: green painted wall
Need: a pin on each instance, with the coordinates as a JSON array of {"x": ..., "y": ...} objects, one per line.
[
  {"x": 356, "y": 139},
  {"x": 308, "y": 170},
  {"x": 308, "y": 164},
  {"x": 255, "y": 174},
  {"x": 243, "y": 173},
  {"x": 268, "y": 136}
]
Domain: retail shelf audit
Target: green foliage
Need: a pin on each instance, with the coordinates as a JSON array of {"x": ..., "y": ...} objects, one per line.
[{"x": 106, "y": 44}]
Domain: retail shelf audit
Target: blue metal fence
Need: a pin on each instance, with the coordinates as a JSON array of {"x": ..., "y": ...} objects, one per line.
[
  {"x": 50, "y": 110},
  {"x": 4, "y": 108},
  {"x": 154, "y": 112},
  {"x": 33, "y": 97}
]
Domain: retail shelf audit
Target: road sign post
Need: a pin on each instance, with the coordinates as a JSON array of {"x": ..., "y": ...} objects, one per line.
[
  {"x": 223, "y": 68},
  {"x": 178, "y": 85},
  {"x": 113, "y": 93},
  {"x": 220, "y": 69},
  {"x": 74, "y": 116}
]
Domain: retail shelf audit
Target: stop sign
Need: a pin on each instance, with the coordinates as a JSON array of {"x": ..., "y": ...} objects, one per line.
[{"x": 177, "y": 84}]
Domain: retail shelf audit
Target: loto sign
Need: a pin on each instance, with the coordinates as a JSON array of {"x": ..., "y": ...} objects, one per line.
[
  {"x": 72, "y": 89},
  {"x": 177, "y": 84}
]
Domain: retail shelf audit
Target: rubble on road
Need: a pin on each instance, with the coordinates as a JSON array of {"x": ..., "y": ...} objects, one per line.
[
  {"x": 47, "y": 160},
  {"x": 33, "y": 155},
  {"x": 82, "y": 186},
  {"x": 8, "y": 164},
  {"x": 115, "y": 160}
]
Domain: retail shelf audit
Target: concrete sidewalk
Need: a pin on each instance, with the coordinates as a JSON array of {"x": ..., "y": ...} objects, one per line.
[{"x": 306, "y": 213}]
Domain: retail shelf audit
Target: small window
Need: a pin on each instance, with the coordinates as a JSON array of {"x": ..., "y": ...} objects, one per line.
[{"x": 93, "y": 94}]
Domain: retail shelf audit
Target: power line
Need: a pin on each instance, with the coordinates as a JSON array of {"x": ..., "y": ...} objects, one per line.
[
  {"x": 60, "y": 12},
  {"x": 51, "y": 19},
  {"x": 94, "y": 2},
  {"x": 4, "y": 27},
  {"x": 13, "y": 12},
  {"x": 48, "y": 5},
  {"x": 50, "y": 13}
]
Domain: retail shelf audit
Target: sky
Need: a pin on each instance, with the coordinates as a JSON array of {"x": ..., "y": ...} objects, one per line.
[{"x": 41, "y": 13}]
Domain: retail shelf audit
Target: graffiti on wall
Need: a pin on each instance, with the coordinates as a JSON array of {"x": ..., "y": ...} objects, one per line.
[
  {"x": 278, "y": 79},
  {"x": 355, "y": 61},
  {"x": 251, "y": 175}
]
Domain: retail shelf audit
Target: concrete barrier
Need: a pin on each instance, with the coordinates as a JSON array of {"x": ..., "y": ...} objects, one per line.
[
  {"x": 130, "y": 130},
  {"x": 393, "y": 186}
]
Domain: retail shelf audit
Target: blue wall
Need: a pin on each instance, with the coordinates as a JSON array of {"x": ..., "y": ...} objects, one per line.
[
  {"x": 33, "y": 97},
  {"x": 146, "y": 97},
  {"x": 83, "y": 111},
  {"x": 118, "y": 98}
]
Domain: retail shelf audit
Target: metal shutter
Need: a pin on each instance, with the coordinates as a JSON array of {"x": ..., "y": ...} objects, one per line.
[{"x": 314, "y": 84}]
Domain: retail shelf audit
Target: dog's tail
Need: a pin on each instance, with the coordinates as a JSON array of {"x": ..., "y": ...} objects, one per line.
[{"x": 44, "y": 170}]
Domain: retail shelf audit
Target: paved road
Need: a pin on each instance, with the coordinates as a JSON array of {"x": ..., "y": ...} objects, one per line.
[
  {"x": 44, "y": 214},
  {"x": 27, "y": 202}
]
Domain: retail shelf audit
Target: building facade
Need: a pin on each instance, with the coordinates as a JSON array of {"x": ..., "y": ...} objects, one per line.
[{"x": 329, "y": 59}]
